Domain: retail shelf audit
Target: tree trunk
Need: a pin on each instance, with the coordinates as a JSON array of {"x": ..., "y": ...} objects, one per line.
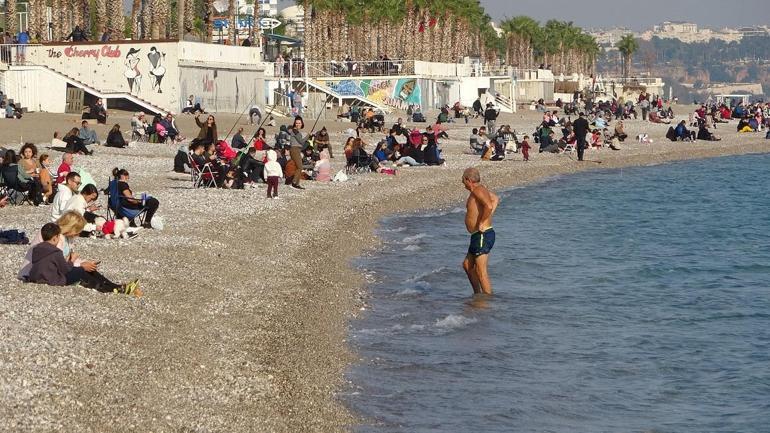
[
  {"x": 232, "y": 26},
  {"x": 101, "y": 18},
  {"x": 11, "y": 19},
  {"x": 210, "y": 22},
  {"x": 136, "y": 6}
]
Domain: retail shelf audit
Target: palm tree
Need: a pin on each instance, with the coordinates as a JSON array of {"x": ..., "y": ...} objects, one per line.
[
  {"x": 627, "y": 46},
  {"x": 11, "y": 19},
  {"x": 232, "y": 26},
  {"x": 136, "y": 9},
  {"x": 210, "y": 22},
  {"x": 115, "y": 19},
  {"x": 101, "y": 17}
]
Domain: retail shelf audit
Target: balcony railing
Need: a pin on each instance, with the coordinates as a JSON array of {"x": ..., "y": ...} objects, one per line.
[{"x": 17, "y": 54}]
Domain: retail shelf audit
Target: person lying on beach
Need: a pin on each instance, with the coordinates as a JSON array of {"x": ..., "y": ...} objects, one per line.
[
  {"x": 479, "y": 208},
  {"x": 48, "y": 263}
]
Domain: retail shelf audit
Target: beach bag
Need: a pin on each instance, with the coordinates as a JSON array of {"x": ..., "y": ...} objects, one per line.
[{"x": 340, "y": 176}]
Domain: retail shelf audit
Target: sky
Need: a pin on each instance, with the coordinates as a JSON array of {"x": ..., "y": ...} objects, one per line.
[
  {"x": 636, "y": 14},
  {"x": 633, "y": 14}
]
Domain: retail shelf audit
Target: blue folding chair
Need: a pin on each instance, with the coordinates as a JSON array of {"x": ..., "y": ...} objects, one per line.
[{"x": 116, "y": 205}]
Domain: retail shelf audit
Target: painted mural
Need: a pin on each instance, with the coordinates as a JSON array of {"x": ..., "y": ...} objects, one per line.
[
  {"x": 136, "y": 68},
  {"x": 395, "y": 93}
]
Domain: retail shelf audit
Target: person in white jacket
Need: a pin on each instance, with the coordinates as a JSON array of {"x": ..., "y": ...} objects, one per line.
[
  {"x": 273, "y": 174},
  {"x": 64, "y": 194},
  {"x": 80, "y": 204}
]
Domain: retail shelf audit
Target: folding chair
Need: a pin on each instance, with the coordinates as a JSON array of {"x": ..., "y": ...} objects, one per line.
[
  {"x": 116, "y": 207},
  {"x": 201, "y": 177},
  {"x": 16, "y": 196}
]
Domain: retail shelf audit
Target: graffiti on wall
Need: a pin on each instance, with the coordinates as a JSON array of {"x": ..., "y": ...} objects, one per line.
[
  {"x": 157, "y": 72},
  {"x": 133, "y": 63},
  {"x": 395, "y": 93}
]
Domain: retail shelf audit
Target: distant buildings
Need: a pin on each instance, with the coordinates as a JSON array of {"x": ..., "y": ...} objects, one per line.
[{"x": 683, "y": 31}]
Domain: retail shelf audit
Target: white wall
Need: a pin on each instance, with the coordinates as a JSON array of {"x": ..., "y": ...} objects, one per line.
[
  {"x": 221, "y": 90},
  {"x": 107, "y": 67},
  {"x": 197, "y": 52},
  {"x": 36, "y": 89}
]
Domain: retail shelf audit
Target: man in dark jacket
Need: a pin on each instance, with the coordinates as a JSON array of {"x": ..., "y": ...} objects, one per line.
[
  {"x": 490, "y": 117},
  {"x": 580, "y": 128}
]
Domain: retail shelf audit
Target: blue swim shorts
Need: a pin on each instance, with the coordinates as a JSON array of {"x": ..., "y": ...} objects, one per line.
[{"x": 482, "y": 242}]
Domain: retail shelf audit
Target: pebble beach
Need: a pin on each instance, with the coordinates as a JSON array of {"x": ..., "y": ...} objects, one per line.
[{"x": 244, "y": 321}]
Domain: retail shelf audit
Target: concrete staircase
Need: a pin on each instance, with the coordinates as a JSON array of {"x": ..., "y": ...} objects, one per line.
[{"x": 104, "y": 94}]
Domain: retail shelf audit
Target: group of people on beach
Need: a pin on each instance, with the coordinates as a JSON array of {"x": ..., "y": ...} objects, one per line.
[{"x": 72, "y": 197}]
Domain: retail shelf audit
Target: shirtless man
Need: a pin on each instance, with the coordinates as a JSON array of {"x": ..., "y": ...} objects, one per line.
[{"x": 480, "y": 206}]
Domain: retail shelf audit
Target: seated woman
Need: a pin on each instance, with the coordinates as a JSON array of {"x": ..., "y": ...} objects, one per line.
[
  {"x": 620, "y": 131},
  {"x": 382, "y": 151},
  {"x": 168, "y": 124},
  {"x": 498, "y": 149},
  {"x": 75, "y": 143},
  {"x": 139, "y": 126},
  {"x": 477, "y": 146},
  {"x": 322, "y": 141},
  {"x": 595, "y": 140},
  {"x": 322, "y": 171},
  {"x": 654, "y": 117},
  {"x": 50, "y": 260},
  {"x": 130, "y": 202},
  {"x": 29, "y": 174},
  {"x": 115, "y": 138},
  {"x": 705, "y": 134},
  {"x": 260, "y": 141},
  {"x": 97, "y": 112},
  {"x": 360, "y": 158}
]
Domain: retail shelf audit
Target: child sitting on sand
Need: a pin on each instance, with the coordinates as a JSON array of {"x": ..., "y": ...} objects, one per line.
[{"x": 49, "y": 266}]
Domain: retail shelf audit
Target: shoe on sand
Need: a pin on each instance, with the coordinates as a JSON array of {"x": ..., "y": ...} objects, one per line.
[{"x": 131, "y": 289}]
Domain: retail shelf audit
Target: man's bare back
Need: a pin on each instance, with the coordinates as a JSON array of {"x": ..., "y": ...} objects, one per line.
[{"x": 480, "y": 207}]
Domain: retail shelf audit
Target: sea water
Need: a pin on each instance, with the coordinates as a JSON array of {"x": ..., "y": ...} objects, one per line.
[{"x": 633, "y": 300}]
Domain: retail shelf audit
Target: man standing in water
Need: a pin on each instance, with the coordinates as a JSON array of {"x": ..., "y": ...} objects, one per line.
[{"x": 480, "y": 206}]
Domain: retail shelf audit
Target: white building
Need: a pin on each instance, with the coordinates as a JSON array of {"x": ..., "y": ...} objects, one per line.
[
  {"x": 268, "y": 8},
  {"x": 294, "y": 17}
]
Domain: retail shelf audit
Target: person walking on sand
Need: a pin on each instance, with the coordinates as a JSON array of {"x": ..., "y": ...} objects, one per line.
[
  {"x": 580, "y": 127},
  {"x": 480, "y": 207}
]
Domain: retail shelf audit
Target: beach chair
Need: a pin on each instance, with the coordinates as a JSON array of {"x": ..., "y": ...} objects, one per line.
[
  {"x": 116, "y": 205},
  {"x": 13, "y": 189},
  {"x": 201, "y": 177}
]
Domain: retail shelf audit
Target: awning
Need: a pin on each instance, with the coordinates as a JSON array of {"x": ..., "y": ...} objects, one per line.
[{"x": 283, "y": 39}]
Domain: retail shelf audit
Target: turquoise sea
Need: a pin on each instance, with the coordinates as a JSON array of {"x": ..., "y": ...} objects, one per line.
[{"x": 633, "y": 300}]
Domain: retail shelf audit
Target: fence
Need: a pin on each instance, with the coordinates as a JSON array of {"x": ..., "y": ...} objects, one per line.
[
  {"x": 299, "y": 68},
  {"x": 17, "y": 54}
]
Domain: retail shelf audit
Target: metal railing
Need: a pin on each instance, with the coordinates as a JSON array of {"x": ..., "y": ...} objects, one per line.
[
  {"x": 300, "y": 69},
  {"x": 17, "y": 54}
]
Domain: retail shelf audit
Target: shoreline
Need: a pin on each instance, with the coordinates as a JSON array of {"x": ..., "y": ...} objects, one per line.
[{"x": 245, "y": 321}]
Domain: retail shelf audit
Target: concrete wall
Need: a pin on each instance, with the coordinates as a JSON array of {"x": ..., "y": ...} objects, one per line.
[
  {"x": 36, "y": 89},
  {"x": 221, "y": 90},
  {"x": 147, "y": 70},
  {"x": 223, "y": 78}
]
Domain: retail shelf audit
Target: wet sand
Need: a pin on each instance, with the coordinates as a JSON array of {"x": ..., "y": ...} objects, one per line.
[{"x": 243, "y": 326}]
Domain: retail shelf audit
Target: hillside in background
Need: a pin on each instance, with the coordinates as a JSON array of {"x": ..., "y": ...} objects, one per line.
[{"x": 694, "y": 69}]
